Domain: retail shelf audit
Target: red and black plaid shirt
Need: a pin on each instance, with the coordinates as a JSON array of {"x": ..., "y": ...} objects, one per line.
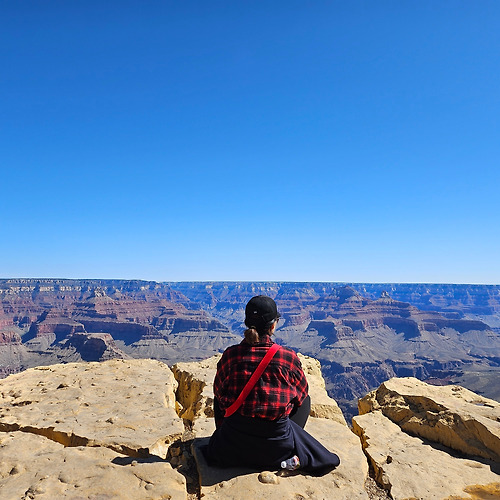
[{"x": 282, "y": 385}]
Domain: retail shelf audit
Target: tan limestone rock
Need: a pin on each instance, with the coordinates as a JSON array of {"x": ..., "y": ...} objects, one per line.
[
  {"x": 322, "y": 405},
  {"x": 450, "y": 415},
  {"x": 35, "y": 467},
  {"x": 125, "y": 405},
  {"x": 203, "y": 427},
  {"x": 345, "y": 482},
  {"x": 408, "y": 467},
  {"x": 195, "y": 393}
]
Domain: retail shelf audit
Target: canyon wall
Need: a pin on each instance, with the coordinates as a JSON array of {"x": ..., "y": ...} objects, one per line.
[
  {"x": 363, "y": 334},
  {"x": 366, "y": 333}
]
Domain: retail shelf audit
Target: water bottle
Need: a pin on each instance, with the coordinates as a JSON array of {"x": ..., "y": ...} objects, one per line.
[{"x": 291, "y": 464}]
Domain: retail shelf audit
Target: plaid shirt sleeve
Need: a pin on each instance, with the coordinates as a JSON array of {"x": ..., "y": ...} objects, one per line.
[{"x": 282, "y": 386}]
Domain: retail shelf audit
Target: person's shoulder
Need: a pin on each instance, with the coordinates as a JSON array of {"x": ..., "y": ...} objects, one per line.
[
  {"x": 287, "y": 352},
  {"x": 233, "y": 349},
  {"x": 228, "y": 357}
]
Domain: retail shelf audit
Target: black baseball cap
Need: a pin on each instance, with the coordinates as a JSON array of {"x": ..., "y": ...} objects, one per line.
[{"x": 260, "y": 311}]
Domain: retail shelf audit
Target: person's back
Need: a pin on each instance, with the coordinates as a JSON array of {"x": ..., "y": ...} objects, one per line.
[
  {"x": 281, "y": 387},
  {"x": 260, "y": 433}
]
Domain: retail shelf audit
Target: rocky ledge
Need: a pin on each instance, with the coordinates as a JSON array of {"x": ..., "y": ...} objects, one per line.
[
  {"x": 427, "y": 441},
  {"x": 124, "y": 429}
]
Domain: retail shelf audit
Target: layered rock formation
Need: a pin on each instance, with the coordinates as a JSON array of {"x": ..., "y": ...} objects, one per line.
[
  {"x": 450, "y": 415},
  {"x": 411, "y": 433},
  {"x": 408, "y": 467},
  {"x": 47, "y": 321},
  {"x": 456, "y": 301},
  {"x": 362, "y": 334},
  {"x": 480, "y": 302},
  {"x": 365, "y": 334}
]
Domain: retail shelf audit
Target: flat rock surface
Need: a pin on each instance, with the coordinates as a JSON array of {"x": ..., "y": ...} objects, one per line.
[
  {"x": 450, "y": 415},
  {"x": 203, "y": 427},
  {"x": 125, "y": 405},
  {"x": 34, "y": 467},
  {"x": 408, "y": 467},
  {"x": 345, "y": 482}
]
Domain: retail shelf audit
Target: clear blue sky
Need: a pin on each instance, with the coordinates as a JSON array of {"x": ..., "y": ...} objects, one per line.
[{"x": 286, "y": 140}]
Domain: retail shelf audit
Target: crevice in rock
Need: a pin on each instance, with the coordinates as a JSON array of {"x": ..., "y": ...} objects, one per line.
[
  {"x": 72, "y": 440},
  {"x": 374, "y": 491},
  {"x": 377, "y": 480},
  {"x": 376, "y": 474},
  {"x": 181, "y": 459}
]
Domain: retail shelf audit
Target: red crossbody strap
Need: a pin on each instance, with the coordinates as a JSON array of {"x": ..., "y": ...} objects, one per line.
[{"x": 253, "y": 380}]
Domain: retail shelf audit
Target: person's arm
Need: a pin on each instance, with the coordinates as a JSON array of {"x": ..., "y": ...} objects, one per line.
[
  {"x": 218, "y": 413},
  {"x": 300, "y": 414},
  {"x": 220, "y": 376},
  {"x": 301, "y": 401},
  {"x": 301, "y": 385}
]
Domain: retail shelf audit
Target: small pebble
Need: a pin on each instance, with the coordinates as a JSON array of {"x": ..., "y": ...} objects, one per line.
[
  {"x": 149, "y": 486},
  {"x": 267, "y": 477}
]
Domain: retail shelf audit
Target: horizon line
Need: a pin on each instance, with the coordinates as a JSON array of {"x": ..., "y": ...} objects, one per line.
[{"x": 253, "y": 281}]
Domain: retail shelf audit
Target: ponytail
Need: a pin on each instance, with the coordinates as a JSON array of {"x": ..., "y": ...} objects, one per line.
[{"x": 252, "y": 336}]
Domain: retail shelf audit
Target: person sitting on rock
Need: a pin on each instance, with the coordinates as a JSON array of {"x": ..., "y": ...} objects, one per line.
[{"x": 266, "y": 430}]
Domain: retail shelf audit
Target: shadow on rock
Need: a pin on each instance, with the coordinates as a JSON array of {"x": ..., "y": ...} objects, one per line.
[
  {"x": 209, "y": 474},
  {"x": 136, "y": 460}
]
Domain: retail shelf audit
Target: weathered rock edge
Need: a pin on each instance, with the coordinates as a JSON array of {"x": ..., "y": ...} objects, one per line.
[
  {"x": 35, "y": 467},
  {"x": 125, "y": 405},
  {"x": 450, "y": 415},
  {"x": 408, "y": 467}
]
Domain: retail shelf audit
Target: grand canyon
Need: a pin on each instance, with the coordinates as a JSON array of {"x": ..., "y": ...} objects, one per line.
[{"x": 363, "y": 334}]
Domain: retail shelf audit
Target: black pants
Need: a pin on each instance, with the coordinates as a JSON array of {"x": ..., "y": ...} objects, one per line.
[
  {"x": 299, "y": 414},
  {"x": 264, "y": 444}
]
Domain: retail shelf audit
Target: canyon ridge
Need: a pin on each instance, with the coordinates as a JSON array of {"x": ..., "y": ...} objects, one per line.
[{"x": 363, "y": 334}]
